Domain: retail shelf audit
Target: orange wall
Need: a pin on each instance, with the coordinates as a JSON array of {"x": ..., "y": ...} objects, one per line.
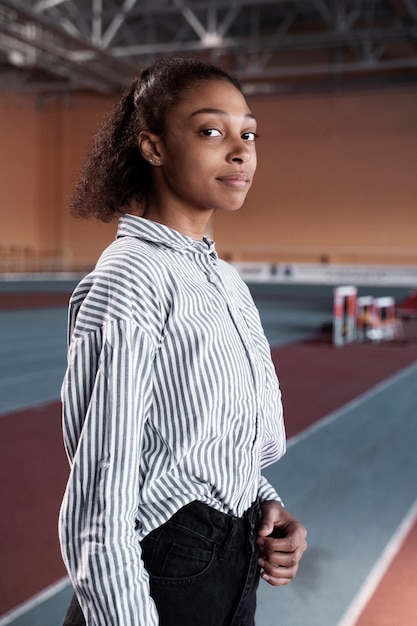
[
  {"x": 82, "y": 240},
  {"x": 18, "y": 170},
  {"x": 336, "y": 179}
]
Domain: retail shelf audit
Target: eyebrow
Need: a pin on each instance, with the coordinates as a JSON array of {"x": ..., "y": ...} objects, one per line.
[{"x": 218, "y": 112}]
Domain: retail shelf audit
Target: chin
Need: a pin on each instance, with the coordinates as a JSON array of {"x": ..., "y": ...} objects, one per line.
[{"x": 231, "y": 208}]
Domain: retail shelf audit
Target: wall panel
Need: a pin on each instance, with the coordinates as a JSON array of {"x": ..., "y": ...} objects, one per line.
[
  {"x": 18, "y": 170},
  {"x": 336, "y": 180}
]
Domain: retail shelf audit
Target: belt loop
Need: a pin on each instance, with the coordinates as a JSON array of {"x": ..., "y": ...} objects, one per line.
[{"x": 226, "y": 546}]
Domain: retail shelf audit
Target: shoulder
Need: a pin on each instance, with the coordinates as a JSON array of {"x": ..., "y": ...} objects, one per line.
[
  {"x": 133, "y": 268},
  {"x": 133, "y": 259},
  {"x": 126, "y": 284}
]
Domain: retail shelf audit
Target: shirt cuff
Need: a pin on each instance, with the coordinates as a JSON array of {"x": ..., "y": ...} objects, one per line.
[{"x": 267, "y": 492}]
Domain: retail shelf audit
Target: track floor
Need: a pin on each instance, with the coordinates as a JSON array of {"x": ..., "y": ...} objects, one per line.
[{"x": 349, "y": 473}]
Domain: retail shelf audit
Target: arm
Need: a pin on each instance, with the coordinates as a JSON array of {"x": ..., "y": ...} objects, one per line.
[
  {"x": 282, "y": 542},
  {"x": 106, "y": 395}
]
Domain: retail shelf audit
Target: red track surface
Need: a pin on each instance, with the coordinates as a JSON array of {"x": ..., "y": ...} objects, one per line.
[
  {"x": 316, "y": 379},
  {"x": 394, "y": 603},
  {"x": 33, "y": 468},
  {"x": 11, "y": 301}
]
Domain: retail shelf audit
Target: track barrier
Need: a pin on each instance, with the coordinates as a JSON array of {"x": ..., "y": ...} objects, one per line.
[{"x": 363, "y": 318}]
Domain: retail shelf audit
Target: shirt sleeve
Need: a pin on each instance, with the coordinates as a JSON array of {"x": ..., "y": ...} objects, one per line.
[
  {"x": 106, "y": 396},
  {"x": 267, "y": 492}
]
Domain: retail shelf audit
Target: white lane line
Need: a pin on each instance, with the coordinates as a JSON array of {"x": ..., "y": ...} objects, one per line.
[
  {"x": 379, "y": 570},
  {"x": 34, "y": 601},
  {"x": 353, "y": 404}
]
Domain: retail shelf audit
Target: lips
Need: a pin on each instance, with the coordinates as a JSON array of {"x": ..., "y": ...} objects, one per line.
[{"x": 238, "y": 180}]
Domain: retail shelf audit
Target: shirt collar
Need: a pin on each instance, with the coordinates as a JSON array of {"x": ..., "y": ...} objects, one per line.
[{"x": 134, "y": 226}]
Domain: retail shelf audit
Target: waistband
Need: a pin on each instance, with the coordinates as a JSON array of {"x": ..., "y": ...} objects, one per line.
[{"x": 215, "y": 526}]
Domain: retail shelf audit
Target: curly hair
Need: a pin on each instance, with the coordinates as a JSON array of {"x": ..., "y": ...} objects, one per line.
[{"x": 115, "y": 173}]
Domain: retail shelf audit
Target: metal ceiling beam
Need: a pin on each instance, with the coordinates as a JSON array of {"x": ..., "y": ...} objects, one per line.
[
  {"x": 118, "y": 20},
  {"x": 93, "y": 42},
  {"x": 48, "y": 46}
]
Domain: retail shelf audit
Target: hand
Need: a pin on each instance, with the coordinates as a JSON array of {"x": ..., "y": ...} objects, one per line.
[{"x": 282, "y": 542}]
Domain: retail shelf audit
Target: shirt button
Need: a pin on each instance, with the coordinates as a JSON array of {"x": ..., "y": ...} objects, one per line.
[
  {"x": 213, "y": 278},
  {"x": 104, "y": 464}
]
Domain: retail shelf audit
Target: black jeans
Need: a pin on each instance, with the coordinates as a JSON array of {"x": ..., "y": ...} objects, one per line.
[{"x": 203, "y": 569}]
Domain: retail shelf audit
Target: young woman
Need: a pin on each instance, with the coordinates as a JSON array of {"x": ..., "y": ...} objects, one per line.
[{"x": 171, "y": 404}]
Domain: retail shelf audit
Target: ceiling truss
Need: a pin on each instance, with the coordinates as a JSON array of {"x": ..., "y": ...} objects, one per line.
[{"x": 274, "y": 46}]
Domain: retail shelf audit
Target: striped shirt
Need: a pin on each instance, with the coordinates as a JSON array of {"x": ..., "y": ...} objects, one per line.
[{"x": 170, "y": 396}]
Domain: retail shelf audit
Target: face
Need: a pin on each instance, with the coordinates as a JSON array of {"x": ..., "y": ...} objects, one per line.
[{"x": 207, "y": 155}]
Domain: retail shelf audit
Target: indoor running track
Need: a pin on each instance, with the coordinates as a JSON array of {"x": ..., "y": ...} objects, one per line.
[{"x": 350, "y": 472}]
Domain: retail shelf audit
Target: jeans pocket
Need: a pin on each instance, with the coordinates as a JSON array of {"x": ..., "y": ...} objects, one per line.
[{"x": 177, "y": 555}]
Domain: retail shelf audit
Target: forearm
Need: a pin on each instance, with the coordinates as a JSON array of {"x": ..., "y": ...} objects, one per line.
[
  {"x": 110, "y": 580},
  {"x": 104, "y": 419}
]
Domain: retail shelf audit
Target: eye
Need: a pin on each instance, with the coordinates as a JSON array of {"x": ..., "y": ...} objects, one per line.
[
  {"x": 250, "y": 136},
  {"x": 211, "y": 132}
]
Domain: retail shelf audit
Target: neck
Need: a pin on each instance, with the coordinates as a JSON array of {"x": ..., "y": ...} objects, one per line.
[{"x": 194, "y": 226}]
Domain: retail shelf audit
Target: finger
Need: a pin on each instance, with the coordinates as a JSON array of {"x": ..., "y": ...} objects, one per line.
[
  {"x": 272, "y": 513},
  {"x": 277, "y": 575},
  {"x": 290, "y": 543},
  {"x": 282, "y": 559},
  {"x": 275, "y": 581},
  {"x": 268, "y": 547},
  {"x": 281, "y": 565}
]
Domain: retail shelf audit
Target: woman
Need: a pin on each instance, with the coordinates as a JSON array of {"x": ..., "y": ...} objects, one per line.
[{"x": 171, "y": 404}]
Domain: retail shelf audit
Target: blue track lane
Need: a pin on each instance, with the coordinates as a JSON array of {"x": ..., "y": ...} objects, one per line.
[{"x": 352, "y": 482}]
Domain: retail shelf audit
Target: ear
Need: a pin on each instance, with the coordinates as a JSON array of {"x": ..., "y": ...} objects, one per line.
[{"x": 148, "y": 146}]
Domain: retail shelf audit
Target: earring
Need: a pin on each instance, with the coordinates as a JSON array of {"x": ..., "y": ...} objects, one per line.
[{"x": 154, "y": 161}]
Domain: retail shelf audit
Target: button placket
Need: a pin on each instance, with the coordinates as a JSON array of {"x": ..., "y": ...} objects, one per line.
[
  {"x": 213, "y": 278},
  {"x": 237, "y": 316}
]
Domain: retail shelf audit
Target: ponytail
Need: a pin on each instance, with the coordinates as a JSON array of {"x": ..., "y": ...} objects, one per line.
[{"x": 114, "y": 173}]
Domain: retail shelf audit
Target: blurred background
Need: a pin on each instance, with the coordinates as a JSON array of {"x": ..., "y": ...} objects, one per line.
[{"x": 333, "y": 85}]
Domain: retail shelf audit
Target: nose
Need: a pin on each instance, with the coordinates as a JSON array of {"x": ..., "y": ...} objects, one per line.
[{"x": 239, "y": 152}]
